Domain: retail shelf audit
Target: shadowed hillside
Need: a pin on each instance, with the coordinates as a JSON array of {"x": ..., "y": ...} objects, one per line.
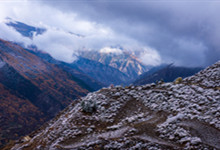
[
  {"x": 166, "y": 73},
  {"x": 32, "y": 90}
]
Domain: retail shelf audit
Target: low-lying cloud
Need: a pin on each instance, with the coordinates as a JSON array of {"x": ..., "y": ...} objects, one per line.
[
  {"x": 180, "y": 32},
  {"x": 66, "y": 32}
]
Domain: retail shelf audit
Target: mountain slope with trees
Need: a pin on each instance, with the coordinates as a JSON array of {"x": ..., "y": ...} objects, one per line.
[{"x": 32, "y": 90}]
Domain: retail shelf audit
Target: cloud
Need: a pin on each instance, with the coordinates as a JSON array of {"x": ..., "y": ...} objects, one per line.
[
  {"x": 182, "y": 32},
  {"x": 67, "y": 33},
  {"x": 8, "y": 33},
  {"x": 111, "y": 50},
  {"x": 150, "y": 57},
  {"x": 167, "y": 26}
]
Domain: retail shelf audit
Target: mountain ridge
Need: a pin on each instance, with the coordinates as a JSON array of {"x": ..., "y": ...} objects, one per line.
[
  {"x": 181, "y": 115},
  {"x": 167, "y": 73},
  {"x": 123, "y": 61}
]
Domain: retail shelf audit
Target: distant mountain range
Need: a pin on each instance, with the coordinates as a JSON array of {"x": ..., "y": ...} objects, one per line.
[
  {"x": 110, "y": 65},
  {"x": 103, "y": 73},
  {"x": 94, "y": 73},
  {"x": 118, "y": 58},
  {"x": 34, "y": 86},
  {"x": 72, "y": 68},
  {"x": 38, "y": 86},
  {"x": 166, "y": 73}
]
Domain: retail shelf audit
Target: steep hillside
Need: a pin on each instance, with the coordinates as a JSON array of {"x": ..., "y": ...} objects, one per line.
[
  {"x": 74, "y": 69},
  {"x": 93, "y": 73},
  {"x": 163, "y": 116},
  {"x": 35, "y": 90},
  {"x": 102, "y": 73},
  {"x": 47, "y": 77},
  {"x": 166, "y": 73},
  {"x": 17, "y": 114},
  {"x": 123, "y": 61}
]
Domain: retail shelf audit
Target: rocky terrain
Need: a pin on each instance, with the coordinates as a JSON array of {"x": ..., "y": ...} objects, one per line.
[
  {"x": 177, "y": 115},
  {"x": 119, "y": 59}
]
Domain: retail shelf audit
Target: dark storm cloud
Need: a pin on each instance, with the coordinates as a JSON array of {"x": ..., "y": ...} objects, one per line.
[{"x": 184, "y": 32}]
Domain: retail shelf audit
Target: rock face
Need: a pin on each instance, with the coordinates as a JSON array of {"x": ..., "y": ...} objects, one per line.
[
  {"x": 123, "y": 61},
  {"x": 32, "y": 91},
  {"x": 163, "y": 116}
]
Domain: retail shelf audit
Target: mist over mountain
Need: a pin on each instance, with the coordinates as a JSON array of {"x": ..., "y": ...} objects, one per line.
[
  {"x": 46, "y": 85},
  {"x": 24, "y": 29},
  {"x": 172, "y": 31},
  {"x": 101, "y": 74}
]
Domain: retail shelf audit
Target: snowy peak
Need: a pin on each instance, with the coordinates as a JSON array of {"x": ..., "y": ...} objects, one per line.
[
  {"x": 117, "y": 58},
  {"x": 165, "y": 116},
  {"x": 109, "y": 50}
]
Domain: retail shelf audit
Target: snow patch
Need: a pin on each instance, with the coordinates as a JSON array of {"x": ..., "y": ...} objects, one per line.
[{"x": 111, "y": 50}]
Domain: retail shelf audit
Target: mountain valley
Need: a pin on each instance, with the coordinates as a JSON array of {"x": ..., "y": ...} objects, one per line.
[
  {"x": 183, "y": 115},
  {"x": 107, "y": 97}
]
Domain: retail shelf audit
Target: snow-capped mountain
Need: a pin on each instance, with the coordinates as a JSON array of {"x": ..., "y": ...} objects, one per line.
[
  {"x": 118, "y": 58},
  {"x": 118, "y": 65},
  {"x": 93, "y": 73},
  {"x": 180, "y": 115}
]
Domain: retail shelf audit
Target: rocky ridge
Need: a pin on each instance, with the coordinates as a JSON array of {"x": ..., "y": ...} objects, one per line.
[
  {"x": 153, "y": 116},
  {"x": 125, "y": 61}
]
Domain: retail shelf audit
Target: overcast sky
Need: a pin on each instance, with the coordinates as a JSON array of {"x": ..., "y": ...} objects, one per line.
[{"x": 184, "y": 32}]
